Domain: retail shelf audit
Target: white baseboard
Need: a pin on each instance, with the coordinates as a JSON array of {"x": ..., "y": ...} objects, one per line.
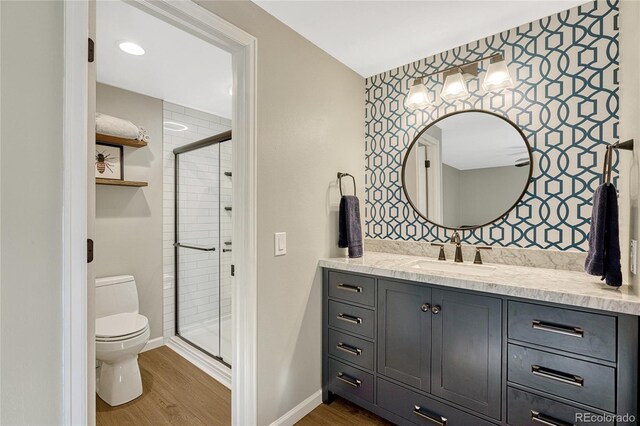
[
  {"x": 294, "y": 415},
  {"x": 153, "y": 344},
  {"x": 218, "y": 371}
]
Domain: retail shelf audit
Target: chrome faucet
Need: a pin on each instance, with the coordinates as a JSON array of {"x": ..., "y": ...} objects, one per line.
[{"x": 455, "y": 239}]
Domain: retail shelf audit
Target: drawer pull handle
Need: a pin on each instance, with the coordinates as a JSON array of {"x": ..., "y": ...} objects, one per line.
[
  {"x": 351, "y": 288},
  {"x": 349, "y": 318},
  {"x": 433, "y": 418},
  {"x": 539, "y": 418},
  {"x": 552, "y": 328},
  {"x": 349, "y": 380},
  {"x": 349, "y": 349},
  {"x": 558, "y": 376}
]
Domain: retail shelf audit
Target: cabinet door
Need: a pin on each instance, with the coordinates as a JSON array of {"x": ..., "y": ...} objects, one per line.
[
  {"x": 466, "y": 351},
  {"x": 404, "y": 332}
]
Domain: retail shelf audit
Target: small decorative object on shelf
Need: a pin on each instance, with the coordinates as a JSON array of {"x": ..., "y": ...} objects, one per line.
[{"x": 109, "y": 162}]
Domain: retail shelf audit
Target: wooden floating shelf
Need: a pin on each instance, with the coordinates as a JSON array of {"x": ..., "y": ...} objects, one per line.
[
  {"x": 133, "y": 143},
  {"x": 116, "y": 182}
]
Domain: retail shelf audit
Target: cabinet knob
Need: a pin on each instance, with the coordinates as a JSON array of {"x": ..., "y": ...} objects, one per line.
[
  {"x": 436, "y": 309},
  {"x": 425, "y": 307}
]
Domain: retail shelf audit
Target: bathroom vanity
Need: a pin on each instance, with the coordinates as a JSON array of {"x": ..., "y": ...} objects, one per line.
[{"x": 418, "y": 341}]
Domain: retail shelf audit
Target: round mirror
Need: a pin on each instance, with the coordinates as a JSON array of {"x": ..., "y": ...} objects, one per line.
[{"x": 467, "y": 169}]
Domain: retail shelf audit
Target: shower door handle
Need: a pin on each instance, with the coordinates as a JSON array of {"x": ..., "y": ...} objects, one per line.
[{"x": 201, "y": 248}]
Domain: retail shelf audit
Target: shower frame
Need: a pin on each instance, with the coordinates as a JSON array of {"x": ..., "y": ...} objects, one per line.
[{"x": 203, "y": 143}]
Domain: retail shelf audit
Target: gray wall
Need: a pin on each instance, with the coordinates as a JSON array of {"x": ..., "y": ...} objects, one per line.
[
  {"x": 128, "y": 229},
  {"x": 487, "y": 193},
  {"x": 451, "y": 195},
  {"x": 474, "y": 197},
  {"x": 304, "y": 138},
  {"x": 31, "y": 212}
]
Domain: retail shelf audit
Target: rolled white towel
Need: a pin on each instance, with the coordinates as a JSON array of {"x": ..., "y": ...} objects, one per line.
[
  {"x": 114, "y": 126},
  {"x": 143, "y": 135}
]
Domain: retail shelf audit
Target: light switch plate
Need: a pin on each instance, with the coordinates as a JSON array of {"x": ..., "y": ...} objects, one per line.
[
  {"x": 633, "y": 257},
  {"x": 280, "y": 243}
]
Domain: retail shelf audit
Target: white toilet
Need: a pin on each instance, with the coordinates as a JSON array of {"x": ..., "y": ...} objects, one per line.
[{"x": 121, "y": 333}]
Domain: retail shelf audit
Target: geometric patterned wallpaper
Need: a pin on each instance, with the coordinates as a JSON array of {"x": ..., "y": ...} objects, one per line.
[{"x": 565, "y": 100}]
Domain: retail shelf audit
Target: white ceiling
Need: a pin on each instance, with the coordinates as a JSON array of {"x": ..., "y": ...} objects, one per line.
[
  {"x": 375, "y": 36},
  {"x": 476, "y": 140},
  {"x": 177, "y": 66}
]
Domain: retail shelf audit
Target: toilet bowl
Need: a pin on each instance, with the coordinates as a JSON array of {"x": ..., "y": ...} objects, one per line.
[{"x": 121, "y": 333}]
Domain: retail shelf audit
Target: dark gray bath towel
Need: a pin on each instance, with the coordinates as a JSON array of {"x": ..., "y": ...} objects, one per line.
[
  {"x": 604, "y": 240},
  {"x": 350, "y": 230}
]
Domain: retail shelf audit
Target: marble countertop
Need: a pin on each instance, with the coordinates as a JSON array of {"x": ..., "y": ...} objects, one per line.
[{"x": 549, "y": 285}]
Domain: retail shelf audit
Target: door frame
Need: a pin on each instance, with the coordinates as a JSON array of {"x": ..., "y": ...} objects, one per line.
[
  {"x": 432, "y": 189},
  {"x": 76, "y": 345},
  {"x": 75, "y": 295}
]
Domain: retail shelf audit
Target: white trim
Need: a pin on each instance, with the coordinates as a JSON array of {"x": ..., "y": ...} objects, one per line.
[
  {"x": 75, "y": 386},
  {"x": 296, "y": 414},
  {"x": 217, "y": 371},
  {"x": 153, "y": 344},
  {"x": 243, "y": 47}
]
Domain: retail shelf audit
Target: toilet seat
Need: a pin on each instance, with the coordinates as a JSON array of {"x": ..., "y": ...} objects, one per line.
[{"x": 118, "y": 327}]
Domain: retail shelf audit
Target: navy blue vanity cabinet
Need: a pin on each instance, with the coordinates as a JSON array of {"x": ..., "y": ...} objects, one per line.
[
  {"x": 404, "y": 333},
  {"x": 467, "y": 350},
  {"x": 421, "y": 354}
]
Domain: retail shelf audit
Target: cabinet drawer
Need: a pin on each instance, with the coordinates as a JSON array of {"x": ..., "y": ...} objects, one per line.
[
  {"x": 353, "y": 288},
  {"x": 583, "y": 333},
  {"x": 420, "y": 410},
  {"x": 352, "y": 318},
  {"x": 526, "y": 409},
  {"x": 351, "y": 349},
  {"x": 345, "y": 379},
  {"x": 577, "y": 380}
]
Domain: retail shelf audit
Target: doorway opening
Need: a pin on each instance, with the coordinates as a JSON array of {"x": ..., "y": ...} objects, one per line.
[{"x": 80, "y": 337}]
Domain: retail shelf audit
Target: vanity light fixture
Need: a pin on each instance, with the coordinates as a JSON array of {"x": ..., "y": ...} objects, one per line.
[
  {"x": 455, "y": 81},
  {"x": 497, "y": 76},
  {"x": 455, "y": 87},
  {"x": 418, "y": 96},
  {"x": 131, "y": 48}
]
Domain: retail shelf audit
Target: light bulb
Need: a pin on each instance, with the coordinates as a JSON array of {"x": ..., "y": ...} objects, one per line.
[
  {"x": 131, "y": 48},
  {"x": 418, "y": 97},
  {"x": 497, "y": 77},
  {"x": 455, "y": 87}
]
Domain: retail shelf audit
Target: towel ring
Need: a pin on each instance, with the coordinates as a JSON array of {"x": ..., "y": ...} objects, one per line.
[
  {"x": 608, "y": 158},
  {"x": 609, "y": 163},
  {"x": 340, "y": 176}
]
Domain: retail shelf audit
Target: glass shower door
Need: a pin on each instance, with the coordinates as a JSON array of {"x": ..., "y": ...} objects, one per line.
[{"x": 202, "y": 249}]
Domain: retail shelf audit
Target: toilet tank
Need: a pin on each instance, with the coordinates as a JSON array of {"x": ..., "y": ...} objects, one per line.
[{"x": 116, "y": 295}]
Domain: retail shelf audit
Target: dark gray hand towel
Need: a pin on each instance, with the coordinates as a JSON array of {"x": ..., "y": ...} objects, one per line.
[
  {"x": 350, "y": 230},
  {"x": 594, "y": 264},
  {"x": 603, "y": 257},
  {"x": 612, "y": 266}
]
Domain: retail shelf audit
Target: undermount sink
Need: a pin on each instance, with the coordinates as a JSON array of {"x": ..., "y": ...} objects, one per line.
[{"x": 448, "y": 266}]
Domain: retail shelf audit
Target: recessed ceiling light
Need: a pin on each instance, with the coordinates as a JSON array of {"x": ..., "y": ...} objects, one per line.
[
  {"x": 131, "y": 48},
  {"x": 176, "y": 127}
]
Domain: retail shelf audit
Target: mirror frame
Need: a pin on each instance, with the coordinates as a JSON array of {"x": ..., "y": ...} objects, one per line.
[{"x": 503, "y": 215}]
